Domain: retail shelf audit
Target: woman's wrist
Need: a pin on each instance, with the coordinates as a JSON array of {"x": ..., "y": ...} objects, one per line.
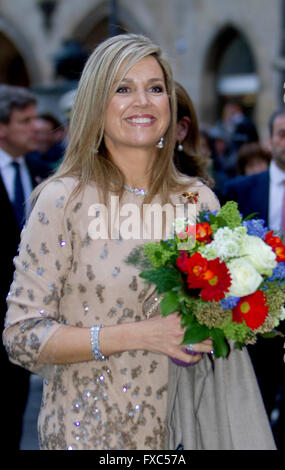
[
  {"x": 120, "y": 338},
  {"x": 95, "y": 343},
  {"x": 70, "y": 344}
]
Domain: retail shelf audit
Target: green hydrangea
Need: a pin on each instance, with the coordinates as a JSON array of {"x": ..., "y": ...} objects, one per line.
[
  {"x": 238, "y": 332},
  {"x": 158, "y": 253},
  {"x": 230, "y": 214}
]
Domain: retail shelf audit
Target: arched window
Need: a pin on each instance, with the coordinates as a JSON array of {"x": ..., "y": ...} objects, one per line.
[
  {"x": 13, "y": 70},
  {"x": 230, "y": 72}
]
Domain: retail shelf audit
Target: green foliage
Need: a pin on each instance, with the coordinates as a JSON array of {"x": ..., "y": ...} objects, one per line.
[
  {"x": 170, "y": 303},
  {"x": 165, "y": 278},
  {"x": 196, "y": 334},
  {"x": 159, "y": 254},
  {"x": 273, "y": 334},
  {"x": 250, "y": 216},
  {"x": 220, "y": 345}
]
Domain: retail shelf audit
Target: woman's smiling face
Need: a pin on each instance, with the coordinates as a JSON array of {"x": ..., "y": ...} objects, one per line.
[{"x": 138, "y": 114}]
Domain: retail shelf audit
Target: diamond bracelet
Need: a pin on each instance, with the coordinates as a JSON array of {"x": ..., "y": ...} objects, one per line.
[{"x": 94, "y": 335}]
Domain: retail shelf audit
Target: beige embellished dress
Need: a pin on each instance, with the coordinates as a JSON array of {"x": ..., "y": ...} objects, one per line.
[{"x": 66, "y": 275}]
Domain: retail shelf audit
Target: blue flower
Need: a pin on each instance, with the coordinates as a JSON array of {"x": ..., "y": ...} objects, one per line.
[
  {"x": 229, "y": 302},
  {"x": 278, "y": 273},
  {"x": 255, "y": 227},
  {"x": 206, "y": 215}
]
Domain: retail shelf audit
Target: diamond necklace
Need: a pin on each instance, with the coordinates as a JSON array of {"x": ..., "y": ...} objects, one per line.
[{"x": 136, "y": 191}]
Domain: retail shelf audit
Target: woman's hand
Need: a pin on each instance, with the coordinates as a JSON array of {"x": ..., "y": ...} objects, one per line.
[
  {"x": 160, "y": 335},
  {"x": 169, "y": 337}
]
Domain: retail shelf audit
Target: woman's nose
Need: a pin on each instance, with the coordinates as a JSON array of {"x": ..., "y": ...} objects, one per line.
[{"x": 142, "y": 97}]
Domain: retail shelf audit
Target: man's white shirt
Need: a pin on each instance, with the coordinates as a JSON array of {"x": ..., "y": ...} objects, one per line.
[
  {"x": 276, "y": 192},
  {"x": 8, "y": 176}
]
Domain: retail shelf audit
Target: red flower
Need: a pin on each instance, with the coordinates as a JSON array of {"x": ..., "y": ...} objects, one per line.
[
  {"x": 212, "y": 277},
  {"x": 252, "y": 309},
  {"x": 181, "y": 262},
  {"x": 198, "y": 272},
  {"x": 272, "y": 240},
  {"x": 218, "y": 284},
  {"x": 203, "y": 232},
  {"x": 280, "y": 252},
  {"x": 276, "y": 245}
]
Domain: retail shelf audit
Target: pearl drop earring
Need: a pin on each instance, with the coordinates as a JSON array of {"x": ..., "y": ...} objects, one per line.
[
  {"x": 160, "y": 144},
  {"x": 180, "y": 148}
]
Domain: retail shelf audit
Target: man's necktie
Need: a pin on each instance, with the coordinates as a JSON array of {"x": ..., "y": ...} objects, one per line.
[{"x": 19, "y": 197}]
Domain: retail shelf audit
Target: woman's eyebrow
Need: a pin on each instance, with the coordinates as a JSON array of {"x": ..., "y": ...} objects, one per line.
[{"x": 130, "y": 80}]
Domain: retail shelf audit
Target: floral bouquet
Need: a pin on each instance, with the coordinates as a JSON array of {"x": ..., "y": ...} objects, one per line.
[{"x": 225, "y": 275}]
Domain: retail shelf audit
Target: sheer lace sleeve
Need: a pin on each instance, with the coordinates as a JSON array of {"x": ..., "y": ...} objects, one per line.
[{"x": 41, "y": 268}]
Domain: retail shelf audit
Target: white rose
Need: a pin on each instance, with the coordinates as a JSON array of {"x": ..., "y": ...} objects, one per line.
[
  {"x": 259, "y": 254},
  {"x": 245, "y": 278}
]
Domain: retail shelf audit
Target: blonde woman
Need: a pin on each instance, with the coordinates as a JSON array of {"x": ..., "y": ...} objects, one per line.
[{"x": 76, "y": 309}]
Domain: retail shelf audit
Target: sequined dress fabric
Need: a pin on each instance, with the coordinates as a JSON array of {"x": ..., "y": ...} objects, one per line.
[{"x": 65, "y": 277}]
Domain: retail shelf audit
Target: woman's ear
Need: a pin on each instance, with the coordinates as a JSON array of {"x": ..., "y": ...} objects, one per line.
[{"x": 182, "y": 128}]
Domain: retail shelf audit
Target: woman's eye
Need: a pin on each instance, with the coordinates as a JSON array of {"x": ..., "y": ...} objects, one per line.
[
  {"x": 122, "y": 89},
  {"x": 157, "y": 89}
]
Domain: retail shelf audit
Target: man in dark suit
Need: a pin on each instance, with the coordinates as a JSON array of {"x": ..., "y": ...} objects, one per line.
[
  {"x": 264, "y": 194},
  {"x": 18, "y": 176}
]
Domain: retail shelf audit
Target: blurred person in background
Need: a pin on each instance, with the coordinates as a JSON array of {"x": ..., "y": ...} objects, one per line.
[
  {"x": 205, "y": 141},
  {"x": 264, "y": 193},
  {"x": 253, "y": 158},
  {"x": 233, "y": 130},
  {"x": 66, "y": 103},
  {"x": 50, "y": 135},
  {"x": 239, "y": 128},
  {"x": 189, "y": 158},
  {"x": 224, "y": 161},
  {"x": 19, "y": 174}
]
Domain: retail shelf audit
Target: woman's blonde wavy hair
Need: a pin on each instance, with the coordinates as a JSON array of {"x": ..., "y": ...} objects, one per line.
[{"x": 86, "y": 156}]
